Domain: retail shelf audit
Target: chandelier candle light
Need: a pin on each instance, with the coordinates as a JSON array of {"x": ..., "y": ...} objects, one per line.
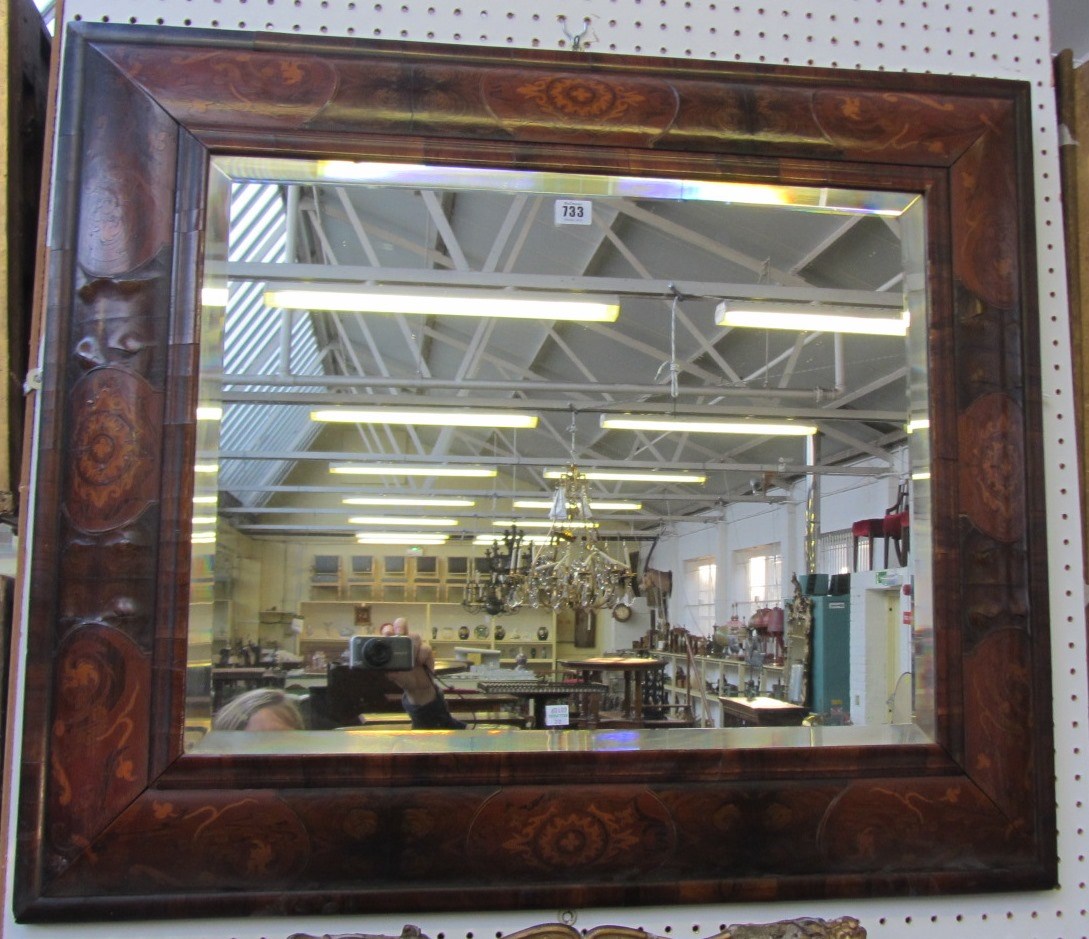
[{"x": 501, "y": 587}]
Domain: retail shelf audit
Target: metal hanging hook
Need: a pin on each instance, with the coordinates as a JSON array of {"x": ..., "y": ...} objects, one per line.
[{"x": 576, "y": 38}]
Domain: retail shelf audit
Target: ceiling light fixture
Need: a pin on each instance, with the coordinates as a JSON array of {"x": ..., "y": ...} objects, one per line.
[
  {"x": 403, "y": 502},
  {"x": 486, "y": 541},
  {"x": 440, "y": 417},
  {"x": 214, "y": 296},
  {"x": 684, "y": 425},
  {"x": 395, "y": 538},
  {"x": 544, "y": 523},
  {"x": 399, "y": 469},
  {"x": 621, "y": 476},
  {"x": 768, "y": 314},
  {"x": 596, "y": 506},
  {"x": 401, "y": 520},
  {"x": 534, "y": 305}
]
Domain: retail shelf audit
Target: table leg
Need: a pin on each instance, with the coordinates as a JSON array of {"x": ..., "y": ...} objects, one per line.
[{"x": 637, "y": 691}]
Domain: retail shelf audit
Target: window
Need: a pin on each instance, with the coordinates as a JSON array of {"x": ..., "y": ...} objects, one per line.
[
  {"x": 760, "y": 575},
  {"x": 834, "y": 552},
  {"x": 701, "y": 593}
]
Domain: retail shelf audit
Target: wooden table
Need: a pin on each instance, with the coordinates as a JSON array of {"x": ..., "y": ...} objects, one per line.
[
  {"x": 760, "y": 712},
  {"x": 539, "y": 693},
  {"x": 633, "y": 668}
]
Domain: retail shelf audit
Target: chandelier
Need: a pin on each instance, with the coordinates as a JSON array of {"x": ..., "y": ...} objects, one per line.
[
  {"x": 500, "y": 588},
  {"x": 574, "y": 570},
  {"x": 571, "y": 570}
]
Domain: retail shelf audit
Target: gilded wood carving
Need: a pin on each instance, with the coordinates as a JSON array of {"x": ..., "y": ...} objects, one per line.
[
  {"x": 844, "y": 927},
  {"x": 116, "y": 820}
]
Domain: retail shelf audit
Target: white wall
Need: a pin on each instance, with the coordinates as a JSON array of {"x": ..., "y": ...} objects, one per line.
[{"x": 1002, "y": 38}]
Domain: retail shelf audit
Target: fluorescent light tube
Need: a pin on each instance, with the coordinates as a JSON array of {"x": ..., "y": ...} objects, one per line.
[
  {"x": 214, "y": 296},
  {"x": 543, "y": 523},
  {"x": 399, "y": 469},
  {"x": 395, "y": 538},
  {"x": 402, "y": 502},
  {"x": 534, "y": 305},
  {"x": 486, "y": 541},
  {"x": 206, "y": 468},
  {"x": 768, "y": 314},
  {"x": 620, "y": 476},
  {"x": 209, "y": 412},
  {"x": 440, "y": 417},
  {"x": 596, "y": 506},
  {"x": 683, "y": 425},
  {"x": 401, "y": 520}
]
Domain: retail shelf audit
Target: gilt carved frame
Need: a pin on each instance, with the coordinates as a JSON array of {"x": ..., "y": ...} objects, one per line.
[{"x": 115, "y": 820}]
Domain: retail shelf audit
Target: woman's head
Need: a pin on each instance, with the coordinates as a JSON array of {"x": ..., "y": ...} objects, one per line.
[{"x": 260, "y": 709}]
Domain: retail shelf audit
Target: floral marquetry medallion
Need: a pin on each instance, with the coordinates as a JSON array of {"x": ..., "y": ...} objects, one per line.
[
  {"x": 621, "y": 828},
  {"x": 580, "y": 104},
  {"x": 113, "y": 473}
]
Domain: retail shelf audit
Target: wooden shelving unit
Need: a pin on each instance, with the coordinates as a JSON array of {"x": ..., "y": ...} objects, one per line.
[{"x": 708, "y": 676}]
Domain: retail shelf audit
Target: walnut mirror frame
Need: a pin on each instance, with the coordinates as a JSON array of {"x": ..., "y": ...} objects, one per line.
[{"x": 116, "y": 820}]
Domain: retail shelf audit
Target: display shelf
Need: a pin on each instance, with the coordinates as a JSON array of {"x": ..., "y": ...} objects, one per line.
[
  {"x": 329, "y": 624},
  {"x": 716, "y": 675}
]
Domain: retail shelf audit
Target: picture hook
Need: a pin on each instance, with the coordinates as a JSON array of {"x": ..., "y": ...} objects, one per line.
[{"x": 576, "y": 39}]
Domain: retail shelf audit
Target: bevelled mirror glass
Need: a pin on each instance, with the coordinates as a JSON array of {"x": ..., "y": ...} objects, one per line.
[{"x": 364, "y": 319}]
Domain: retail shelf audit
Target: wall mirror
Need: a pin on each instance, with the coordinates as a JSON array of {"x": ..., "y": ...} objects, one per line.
[{"x": 117, "y": 815}]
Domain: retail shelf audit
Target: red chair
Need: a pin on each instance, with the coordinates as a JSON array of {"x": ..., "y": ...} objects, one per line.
[
  {"x": 868, "y": 528},
  {"x": 897, "y": 527},
  {"x": 893, "y": 528}
]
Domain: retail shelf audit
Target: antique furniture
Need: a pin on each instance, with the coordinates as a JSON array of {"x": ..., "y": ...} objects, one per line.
[
  {"x": 894, "y": 527},
  {"x": 633, "y": 668},
  {"x": 760, "y": 711},
  {"x": 538, "y": 694},
  {"x": 115, "y": 819}
]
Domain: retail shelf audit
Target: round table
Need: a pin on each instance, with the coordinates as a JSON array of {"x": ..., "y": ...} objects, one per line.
[{"x": 633, "y": 667}]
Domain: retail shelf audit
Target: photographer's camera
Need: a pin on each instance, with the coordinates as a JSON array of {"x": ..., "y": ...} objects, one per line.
[{"x": 385, "y": 653}]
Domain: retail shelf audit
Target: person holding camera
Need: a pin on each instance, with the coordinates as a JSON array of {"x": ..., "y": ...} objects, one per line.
[
  {"x": 399, "y": 655},
  {"x": 421, "y": 698}
]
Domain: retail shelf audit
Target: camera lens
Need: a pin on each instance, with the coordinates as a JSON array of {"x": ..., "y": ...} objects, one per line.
[{"x": 377, "y": 652}]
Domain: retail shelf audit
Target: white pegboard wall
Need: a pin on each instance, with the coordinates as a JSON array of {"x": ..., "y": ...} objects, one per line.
[
  {"x": 1000, "y": 37},
  {"x": 995, "y": 38}
]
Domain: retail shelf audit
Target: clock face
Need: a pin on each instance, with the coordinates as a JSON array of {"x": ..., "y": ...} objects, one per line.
[{"x": 622, "y": 612}]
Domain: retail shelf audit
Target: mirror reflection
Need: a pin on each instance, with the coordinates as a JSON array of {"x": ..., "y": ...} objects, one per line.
[{"x": 515, "y": 452}]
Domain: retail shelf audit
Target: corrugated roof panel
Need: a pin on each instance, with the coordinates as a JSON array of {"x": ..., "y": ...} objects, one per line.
[{"x": 252, "y": 346}]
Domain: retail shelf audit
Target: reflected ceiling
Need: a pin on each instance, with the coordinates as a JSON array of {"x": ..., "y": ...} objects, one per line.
[{"x": 669, "y": 251}]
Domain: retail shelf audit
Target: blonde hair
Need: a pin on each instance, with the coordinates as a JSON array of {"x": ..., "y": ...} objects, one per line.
[{"x": 236, "y": 714}]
